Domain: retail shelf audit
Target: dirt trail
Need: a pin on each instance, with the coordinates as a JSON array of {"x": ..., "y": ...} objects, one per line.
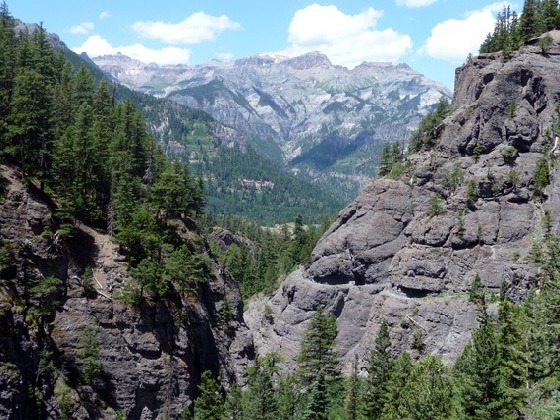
[{"x": 106, "y": 268}]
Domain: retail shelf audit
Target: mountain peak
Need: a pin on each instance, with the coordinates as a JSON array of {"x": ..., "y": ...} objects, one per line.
[{"x": 308, "y": 60}]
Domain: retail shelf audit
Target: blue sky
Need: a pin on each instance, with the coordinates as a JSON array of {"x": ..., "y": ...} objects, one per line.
[{"x": 432, "y": 36}]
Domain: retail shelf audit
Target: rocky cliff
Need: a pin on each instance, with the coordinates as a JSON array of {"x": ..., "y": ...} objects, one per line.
[
  {"x": 148, "y": 358},
  {"x": 407, "y": 250}
]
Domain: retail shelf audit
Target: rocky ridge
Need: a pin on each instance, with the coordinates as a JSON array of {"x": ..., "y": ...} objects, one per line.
[
  {"x": 321, "y": 120},
  {"x": 407, "y": 250},
  {"x": 151, "y": 357}
]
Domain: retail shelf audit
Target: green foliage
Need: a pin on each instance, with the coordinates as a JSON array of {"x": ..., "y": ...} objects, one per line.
[
  {"x": 512, "y": 110},
  {"x": 477, "y": 294},
  {"x": 269, "y": 195},
  {"x": 317, "y": 353},
  {"x": 64, "y": 399},
  {"x": 477, "y": 152},
  {"x": 47, "y": 295},
  {"x": 545, "y": 43},
  {"x": 89, "y": 355},
  {"x": 435, "y": 206},
  {"x": 379, "y": 368},
  {"x": 453, "y": 180},
  {"x": 260, "y": 401},
  {"x": 185, "y": 269},
  {"x": 472, "y": 193},
  {"x": 541, "y": 179},
  {"x": 267, "y": 255},
  {"x": 390, "y": 162},
  {"x": 209, "y": 405},
  {"x": 425, "y": 136},
  {"x": 512, "y": 31}
]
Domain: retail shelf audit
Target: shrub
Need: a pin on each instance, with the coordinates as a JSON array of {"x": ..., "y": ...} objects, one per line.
[{"x": 435, "y": 206}]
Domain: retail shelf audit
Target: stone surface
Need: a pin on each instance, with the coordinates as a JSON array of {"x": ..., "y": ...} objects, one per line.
[
  {"x": 151, "y": 356},
  {"x": 389, "y": 257}
]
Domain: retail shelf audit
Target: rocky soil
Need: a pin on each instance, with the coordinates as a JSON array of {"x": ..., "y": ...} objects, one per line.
[{"x": 407, "y": 250}]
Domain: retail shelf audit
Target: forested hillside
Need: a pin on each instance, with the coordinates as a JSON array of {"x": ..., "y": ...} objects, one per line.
[{"x": 237, "y": 180}]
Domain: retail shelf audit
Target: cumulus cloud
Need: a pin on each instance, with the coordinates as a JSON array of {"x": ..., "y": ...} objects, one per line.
[
  {"x": 347, "y": 39},
  {"x": 104, "y": 15},
  {"x": 453, "y": 39},
  {"x": 198, "y": 27},
  {"x": 96, "y": 46},
  {"x": 82, "y": 28},
  {"x": 415, "y": 3}
]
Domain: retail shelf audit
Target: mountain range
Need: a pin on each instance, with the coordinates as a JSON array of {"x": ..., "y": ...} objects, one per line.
[{"x": 321, "y": 121}]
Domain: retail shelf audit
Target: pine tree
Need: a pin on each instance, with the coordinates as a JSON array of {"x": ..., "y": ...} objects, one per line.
[
  {"x": 549, "y": 14},
  {"x": 528, "y": 25},
  {"x": 209, "y": 405},
  {"x": 260, "y": 397},
  {"x": 385, "y": 160},
  {"x": 379, "y": 368},
  {"x": 513, "y": 359},
  {"x": 428, "y": 391},
  {"x": 29, "y": 124},
  {"x": 317, "y": 351},
  {"x": 7, "y": 66},
  {"x": 395, "y": 406},
  {"x": 477, "y": 375}
]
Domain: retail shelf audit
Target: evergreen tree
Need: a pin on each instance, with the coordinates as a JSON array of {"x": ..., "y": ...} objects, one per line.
[
  {"x": 395, "y": 405},
  {"x": 318, "y": 366},
  {"x": 7, "y": 66},
  {"x": 428, "y": 392},
  {"x": 209, "y": 405},
  {"x": 379, "y": 369},
  {"x": 528, "y": 24},
  {"x": 29, "y": 124},
  {"x": 477, "y": 375},
  {"x": 317, "y": 352},
  {"x": 260, "y": 397},
  {"x": 89, "y": 355},
  {"x": 549, "y": 14}
]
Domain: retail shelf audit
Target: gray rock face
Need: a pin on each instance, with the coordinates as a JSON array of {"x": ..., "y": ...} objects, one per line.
[
  {"x": 151, "y": 357},
  {"x": 393, "y": 256},
  {"x": 303, "y": 111}
]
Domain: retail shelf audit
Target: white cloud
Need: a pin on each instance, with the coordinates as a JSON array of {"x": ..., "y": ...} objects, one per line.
[
  {"x": 227, "y": 56},
  {"x": 82, "y": 28},
  {"x": 104, "y": 15},
  {"x": 346, "y": 39},
  {"x": 453, "y": 39},
  {"x": 196, "y": 28},
  {"x": 415, "y": 3},
  {"x": 96, "y": 46}
]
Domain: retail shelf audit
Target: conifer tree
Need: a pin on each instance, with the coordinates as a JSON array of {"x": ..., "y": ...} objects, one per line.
[
  {"x": 260, "y": 397},
  {"x": 317, "y": 351},
  {"x": 395, "y": 408},
  {"x": 209, "y": 405},
  {"x": 379, "y": 369},
  {"x": 528, "y": 24}
]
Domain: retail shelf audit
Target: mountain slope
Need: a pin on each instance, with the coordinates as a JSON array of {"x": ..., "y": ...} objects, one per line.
[
  {"x": 221, "y": 155},
  {"x": 292, "y": 110},
  {"x": 407, "y": 250}
]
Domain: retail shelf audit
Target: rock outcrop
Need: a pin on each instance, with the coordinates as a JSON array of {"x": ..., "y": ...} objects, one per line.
[
  {"x": 407, "y": 250},
  {"x": 150, "y": 357}
]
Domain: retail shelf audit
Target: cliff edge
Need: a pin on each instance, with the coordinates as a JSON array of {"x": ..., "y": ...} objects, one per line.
[{"x": 407, "y": 249}]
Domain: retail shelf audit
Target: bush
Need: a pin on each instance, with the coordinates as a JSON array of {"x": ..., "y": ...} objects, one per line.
[{"x": 435, "y": 206}]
